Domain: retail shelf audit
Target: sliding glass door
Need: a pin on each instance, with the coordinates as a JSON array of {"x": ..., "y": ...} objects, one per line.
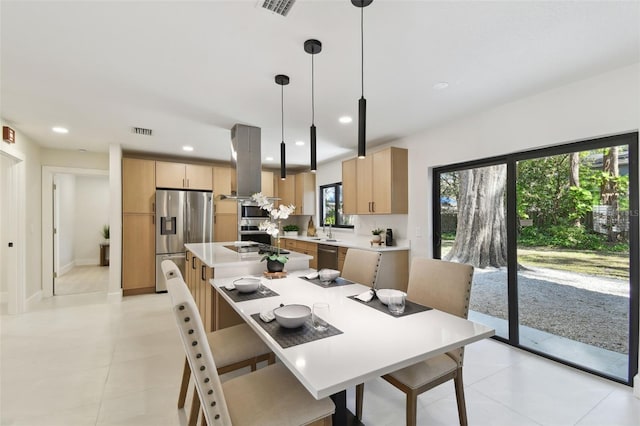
[{"x": 552, "y": 234}]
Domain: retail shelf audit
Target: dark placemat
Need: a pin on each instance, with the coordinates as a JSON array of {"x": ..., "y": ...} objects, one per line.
[
  {"x": 236, "y": 296},
  {"x": 338, "y": 281},
  {"x": 409, "y": 306},
  {"x": 287, "y": 337}
]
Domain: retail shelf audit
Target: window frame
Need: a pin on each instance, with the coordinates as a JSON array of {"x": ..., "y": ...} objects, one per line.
[{"x": 338, "y": 200}]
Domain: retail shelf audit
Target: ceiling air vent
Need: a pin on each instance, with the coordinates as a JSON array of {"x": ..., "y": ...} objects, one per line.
[
  {"x": 281, "y": 7},
  {"x": 141, "y": 131}
]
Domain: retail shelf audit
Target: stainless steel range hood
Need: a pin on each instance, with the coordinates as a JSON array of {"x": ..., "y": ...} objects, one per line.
[{"x": 246, "y": 160}]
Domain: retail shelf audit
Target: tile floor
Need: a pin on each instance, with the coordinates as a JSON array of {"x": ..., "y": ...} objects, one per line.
[
  {"x": 81, "y": 360},
  {"x": 83, "y": 279}
]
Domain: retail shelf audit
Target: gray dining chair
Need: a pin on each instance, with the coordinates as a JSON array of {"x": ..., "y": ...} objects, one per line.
[
  {"x": 269, "y": 396},
  {"x": 361, "y": 266},
  {"x": 233, "y": 347},
  {"x": 445, "y": 286}
]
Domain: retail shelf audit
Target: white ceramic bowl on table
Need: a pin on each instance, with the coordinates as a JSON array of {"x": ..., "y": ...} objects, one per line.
[
  {"x": 328, "y": 275},
  {"x": 385, "y": 293},
  {"x": 292, "y": 316},
  {"x": 247, "y": 284}
]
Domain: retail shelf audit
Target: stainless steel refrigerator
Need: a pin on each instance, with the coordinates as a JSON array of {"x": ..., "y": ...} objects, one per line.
[{"x": 182, "y": 217}]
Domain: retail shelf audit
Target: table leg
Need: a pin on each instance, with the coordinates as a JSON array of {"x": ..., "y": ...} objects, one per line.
[{"x": 342, "y": 416}]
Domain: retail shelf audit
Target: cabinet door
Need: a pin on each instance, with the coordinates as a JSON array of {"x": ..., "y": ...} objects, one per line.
[
  {"x": 170, "y": 175},
  {"x": 349, "y": 187},
  {"x": 222, "y": 186},
  {"x": 390, "y": 181},
  {"x": 342, "y": 254},
  {"x": 138, "y": 252},
  {"x": 199, "y": 177},
  {"x": 305, "y": 193},
  {"x": 267, "y": 184},
  {"x": 287, "y": 190},
  {"x": 225, "y": 227},
  {"x": 364, "y": 193},
  {"x": 138, "y": 185}
]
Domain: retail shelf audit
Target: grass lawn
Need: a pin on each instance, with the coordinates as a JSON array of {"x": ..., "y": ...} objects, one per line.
[{"x": 609, "y": 265}]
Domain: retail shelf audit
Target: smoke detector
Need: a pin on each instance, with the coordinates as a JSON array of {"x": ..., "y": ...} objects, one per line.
[
  {"x": 281, "y": 7},
  {"x": 141, "y": 131}
]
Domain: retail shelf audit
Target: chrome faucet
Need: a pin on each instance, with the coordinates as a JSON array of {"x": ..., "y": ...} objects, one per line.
[{"x": 330, "y": 235}]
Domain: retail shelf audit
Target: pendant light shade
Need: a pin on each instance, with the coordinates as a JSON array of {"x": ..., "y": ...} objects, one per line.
[
  {"x": 312, "y": 47},
  {"x": 362, "y": 103},
  {"x": 282, "y": 80}
]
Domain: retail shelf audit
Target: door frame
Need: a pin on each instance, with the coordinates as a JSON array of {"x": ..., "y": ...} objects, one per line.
[{"x": 47, "y": 218}]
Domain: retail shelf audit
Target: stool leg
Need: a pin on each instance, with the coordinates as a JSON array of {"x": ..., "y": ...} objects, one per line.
[
  {"x": 186, "y": 374},
  {"x": 195, "y": 409}
]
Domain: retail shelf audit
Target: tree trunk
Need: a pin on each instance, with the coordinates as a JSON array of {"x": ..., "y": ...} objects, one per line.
[
  {"x": 481, "y": 233},
  {"x": 609, "y": 190},
  {"x": 574, "y": 175}
]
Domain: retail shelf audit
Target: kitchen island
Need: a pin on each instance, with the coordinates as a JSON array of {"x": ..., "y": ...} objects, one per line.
[{"x": 205, "y": 261}]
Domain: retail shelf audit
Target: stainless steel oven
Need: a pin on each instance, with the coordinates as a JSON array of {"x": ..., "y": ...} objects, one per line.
[{"x": 250, "y": 216}]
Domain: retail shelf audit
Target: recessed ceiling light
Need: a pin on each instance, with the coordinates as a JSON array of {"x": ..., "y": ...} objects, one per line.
[
  {"x": 441, "y": 85},
  {"x": 82, "y": 150},
  {"x": 345, "y": 119},
  {"x": 187, "y": 148},
  {"x": 299, "y": 143},
  {"x": 269, "y": 159},
  {"x": 60, "y": 130}
]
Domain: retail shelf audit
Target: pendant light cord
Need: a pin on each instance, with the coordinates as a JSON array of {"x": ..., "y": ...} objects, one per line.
[
  {"x": 313, "y": 112},
  {"x": 362, "y": 48},
  {"x": 282, "y": 110}
]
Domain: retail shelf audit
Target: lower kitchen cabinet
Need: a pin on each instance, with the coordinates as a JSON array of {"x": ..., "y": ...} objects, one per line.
[
  {"x": 225, "y": 227},
  {"x": 342, "y": 253},
  {"x": 138, "y": 254},
  {"x": 304, "y": 247}
]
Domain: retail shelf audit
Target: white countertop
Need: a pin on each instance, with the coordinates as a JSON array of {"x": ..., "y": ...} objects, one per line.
[
  {"x": 215, "y": 255},
  {"x": 352, "y": 242},
  {"x": 373, "y": 343}
]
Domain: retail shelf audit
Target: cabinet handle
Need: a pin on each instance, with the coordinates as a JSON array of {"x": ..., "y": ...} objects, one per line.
[
  {"x": 373, "y": 207},
  {"x": 202, "y": 273},
  {"x": 183, "y": 183},
  {"x": 153, "y": 220},
  {"x": 193, "y": 263},
  {"x": 153, "y": 207},
  {"x": 187, "y": 182}
]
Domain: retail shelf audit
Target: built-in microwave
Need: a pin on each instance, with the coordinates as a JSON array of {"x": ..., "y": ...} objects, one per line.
[{"x": 251, "y": 212}]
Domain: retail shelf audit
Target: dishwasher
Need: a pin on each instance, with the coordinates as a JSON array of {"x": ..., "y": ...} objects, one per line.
[{"x": 327, "y": 256}]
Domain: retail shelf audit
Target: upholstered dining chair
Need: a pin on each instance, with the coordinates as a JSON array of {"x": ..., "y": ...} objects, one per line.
[
  {"x": 445, "y": 286},
  {"x": 233, "y": 347},
  {"x": 269, "y": 396},
  {"x": 361, "y": 266}
]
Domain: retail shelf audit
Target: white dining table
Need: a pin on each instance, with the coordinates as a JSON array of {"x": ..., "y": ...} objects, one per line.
[{"x": 372, "y": 343}]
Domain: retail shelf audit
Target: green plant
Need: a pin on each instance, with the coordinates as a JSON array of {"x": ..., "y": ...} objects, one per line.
[
  {"x": 377, "y": 231},
  {"x": 105, "y": 232},
  {"x": 275, "y": 256},
  {"x": 289, "y": 228}
]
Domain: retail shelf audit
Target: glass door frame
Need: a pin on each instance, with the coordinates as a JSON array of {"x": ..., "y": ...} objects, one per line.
[{"x": 511, "y": 161}]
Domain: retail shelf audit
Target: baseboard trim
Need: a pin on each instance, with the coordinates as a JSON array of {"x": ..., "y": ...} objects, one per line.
[
  {"x": 66, "y": 268},
  {"x": 88, "y": 262},
  {"x": 115, "y": 296},
  {"x": 31, "y": 301},
  {"x": 636, "y": 386}
]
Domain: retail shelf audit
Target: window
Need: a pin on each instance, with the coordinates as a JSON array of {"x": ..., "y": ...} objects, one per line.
[{"x": 331, "y": 212}]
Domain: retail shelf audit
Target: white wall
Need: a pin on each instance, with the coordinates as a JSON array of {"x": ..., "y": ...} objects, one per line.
[
  {"x": 92, "y": 213},
  {"x": 65, "y": 222}
]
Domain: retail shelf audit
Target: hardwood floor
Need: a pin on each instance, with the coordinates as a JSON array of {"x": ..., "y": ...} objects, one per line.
[{"x": 83, "y": 279}]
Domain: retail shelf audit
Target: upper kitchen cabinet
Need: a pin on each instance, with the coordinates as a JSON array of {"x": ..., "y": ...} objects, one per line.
[
  {"x": 222, "y": 176},
  {"x": 138, "y": 185},
  {"x": 305, "y": 197},
  {"x": 183, "y": 176},
  {"x": 377, "y": 184},
  {"x": 287, "y": 190},
  {"x": 267, "y": 187}
]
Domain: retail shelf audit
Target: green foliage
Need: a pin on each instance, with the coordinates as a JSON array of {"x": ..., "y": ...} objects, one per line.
[
  {"x": 572, "y": 237},
  {"x": 377, "y": 231},
  {"x": 105, "y": 232},
  {"x": 289, "y": 228},
  {"x": 275, "y": 256}
]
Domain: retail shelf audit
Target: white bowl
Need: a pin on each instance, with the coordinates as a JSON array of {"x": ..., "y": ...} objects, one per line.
[
  {"x": 292, "y": 316},
  {"x": 247, "y": 284},
  {"x": 385, "y": 293},
  {"x": 328, "y": 275}
]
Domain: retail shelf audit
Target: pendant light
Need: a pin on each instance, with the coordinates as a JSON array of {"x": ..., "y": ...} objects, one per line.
[
  {"x": 362, "y": 103},
  {"x": 312, "y": 47},
  {"x": 282, "y": 80}
]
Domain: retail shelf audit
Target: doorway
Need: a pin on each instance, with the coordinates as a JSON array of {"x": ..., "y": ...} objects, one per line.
[{"x": 552, "y": 234}]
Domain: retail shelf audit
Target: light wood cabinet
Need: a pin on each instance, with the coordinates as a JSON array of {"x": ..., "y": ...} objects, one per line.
[
  {"x": 304, "y": 247},
  {"x": 287, "y": 190},
  {"x": 225, "y": 218},
  {"x": 342, "y": 254},
  {"x": 138, "y": 254},
  {"x": 225, "y": 227},
  {"x": 305, "y": 197},
  {"x": 377, "y": 184},
  {"x": 267, "y": 187},
  {"x": 138, "y": 185},
  {"x": 183, "y": 176}
]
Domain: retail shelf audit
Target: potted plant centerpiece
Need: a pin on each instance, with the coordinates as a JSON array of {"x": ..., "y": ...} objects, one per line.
[
  {"x": 290, "y": 230},
  {"x": 377, "y": 235},
  {"x": 105, "y": 233},
  {"x": 275, "y": 260}
]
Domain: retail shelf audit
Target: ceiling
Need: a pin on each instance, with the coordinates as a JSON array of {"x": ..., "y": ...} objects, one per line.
[{"x": 191, "y": 70}]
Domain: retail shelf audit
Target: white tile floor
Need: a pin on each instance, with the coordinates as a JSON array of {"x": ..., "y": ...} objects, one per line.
[{"x": 80, "y": 360}]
